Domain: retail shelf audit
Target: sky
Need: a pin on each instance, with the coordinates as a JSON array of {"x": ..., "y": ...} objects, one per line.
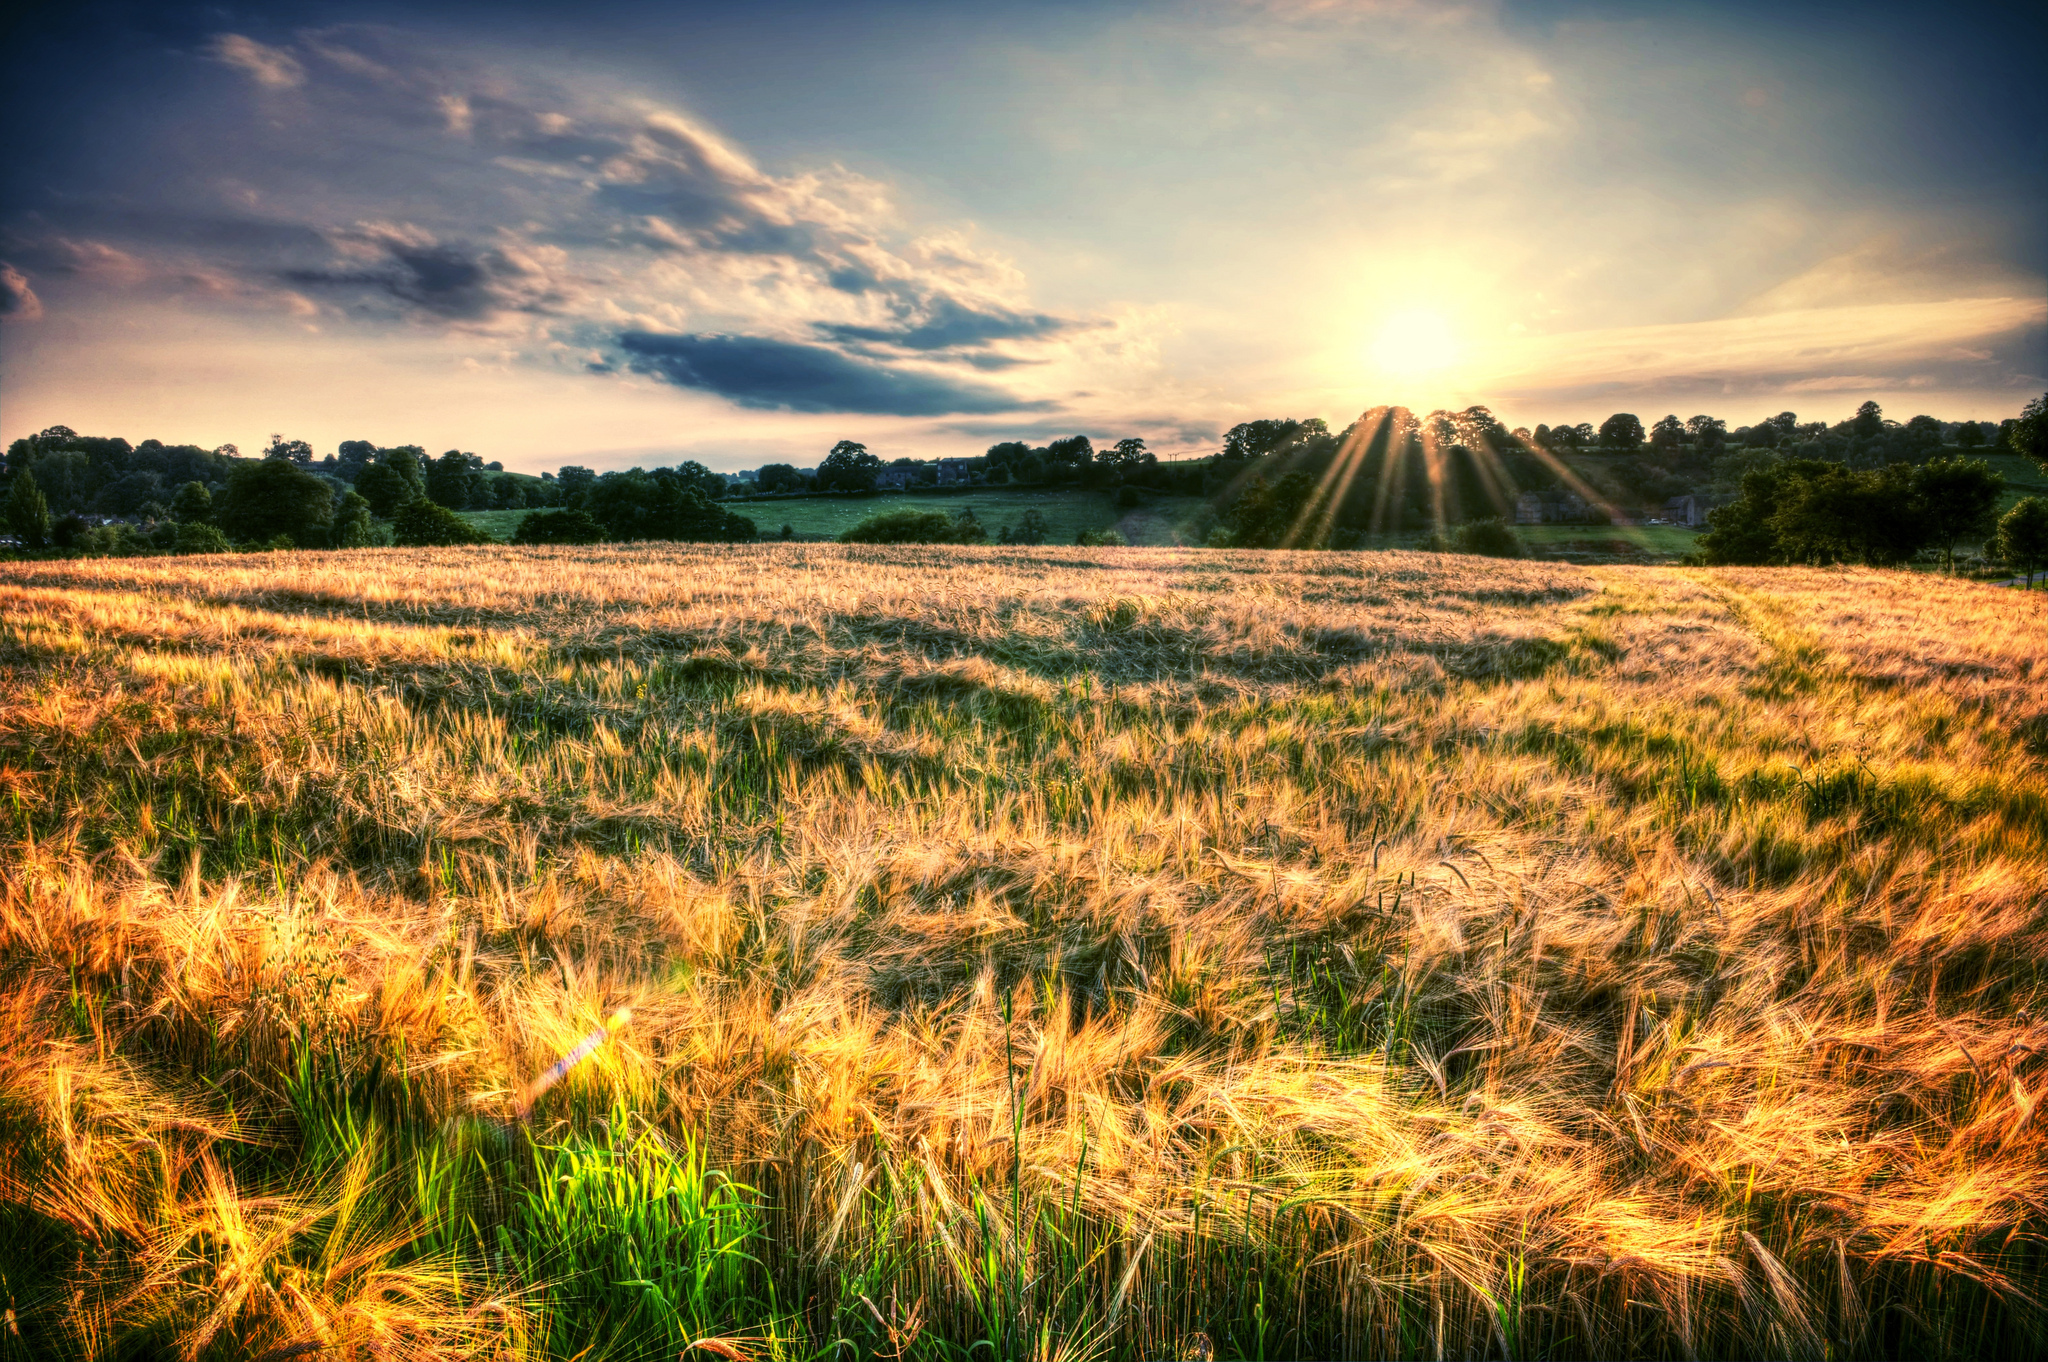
[{"x": 632, "y": 233}]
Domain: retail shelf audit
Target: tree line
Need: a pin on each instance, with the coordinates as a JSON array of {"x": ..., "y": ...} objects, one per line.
[{"x": 1867, "y": 489}]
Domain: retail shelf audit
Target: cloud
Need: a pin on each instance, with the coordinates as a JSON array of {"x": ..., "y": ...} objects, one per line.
[
  {"x": 18, "y": 302},
  {"x": 947, "y": 323},
  {"x": 270, "y": 67},
  {"x": 569, "y": 212},
  {"x": 753, "y": 371},
  {"x": 449, "y": 281}
]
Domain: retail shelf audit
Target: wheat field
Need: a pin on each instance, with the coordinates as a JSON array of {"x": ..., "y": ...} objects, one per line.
[{"x": 1053, "y": 953}]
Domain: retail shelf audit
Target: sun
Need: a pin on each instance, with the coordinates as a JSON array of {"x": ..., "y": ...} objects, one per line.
[{"x": 1415, "y": 343}]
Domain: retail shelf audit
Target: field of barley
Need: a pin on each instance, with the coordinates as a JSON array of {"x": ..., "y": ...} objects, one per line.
[{"x": 1051, "y": 953}]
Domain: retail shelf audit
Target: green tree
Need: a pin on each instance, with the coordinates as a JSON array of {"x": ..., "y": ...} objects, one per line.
[
  {"x": 1128, "y": 455},
  {"x": 427, "y": 524},
  {"x": 1868, "y": 421},
  {"x": 385, "y": 489},
  {"x": 558, "y": 527},
  {"x": 193, "y": 504},
  {"x": 290, "y": 451},
  {"x": 1841, "y": 512},
  {"x": 1969, "y": 435},
  {"x": 2023, "y": 537},
  {"x": 352, "y": 457},
  {"x": 1707, "y": 431},
  {"x": 2029, "y": 434},
  {"x": 1745, "y": 531},
  {"x": 353, "y": 527},
  {"x": 1668, "y": 431},
  {"x": 454, "y": 480},
  {"x": 1621, "y": 431},
  {"x": 662, "y": 504},
  {"x": 272, "y": 498},
  {"x": 848, "y": 468},
  {"x": 778, "y": 477},
  {"x": 28, "y": 513},
  {"x": 1921, "y": 434},
  {"x": 1959, "y": 499}
]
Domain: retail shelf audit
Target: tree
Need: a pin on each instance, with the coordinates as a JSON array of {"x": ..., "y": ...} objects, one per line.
[
  {"x": 192, "y": 505},
  {"x": 1128, "y": 454},
  {"x": 291, "y": 451},
  {"x": 28, "y": 513},
  {"x": 1707, "y": 431},
  {"x": 421, "y": 523},
  {"x": 558, "y": 527},
  {"x": 1668, "y": 431},
  {"x": 1868, "y": 421},
  {"x": 1840, "y": 512},
  {"x": 1959, "y": 499},
  {"x": 2029, "y": 434},
  {"x": 1745, "y": 530},
  {"x": 848, "y": 468},
  {"x": 352, "y": 528},
  {"x": 272, "y": 498},
  {"x": 707, "y": 484},
  {"x": 2023, "y": 537},
  {"x": 1073, "y": 455},
  {"x": 352, "y": 457},
  {"x": 778, "y": 477},
  {"x": 1257, "y": 439},
  {"x": 1621, "y": 431},
  {"x": 662, "y": 504},
  {"x": 1969, "y": 435},
  {"x": 575, "y": 481},
  {"x": 385, "y": 489},
  {"x": 454, "y": 481}
]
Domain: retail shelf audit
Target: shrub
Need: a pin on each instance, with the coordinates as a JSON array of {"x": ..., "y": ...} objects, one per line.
[
  {"x": 1128, "y": 496},
  {"x": 1491, "y": 538},
  {"x": 916, "y": 527},
  {"x": 200, "y": 539},
  {"x": 1100, "y": 539},
  {"x": 422, "y": 523},
  {"x": 558, "y": 527}
]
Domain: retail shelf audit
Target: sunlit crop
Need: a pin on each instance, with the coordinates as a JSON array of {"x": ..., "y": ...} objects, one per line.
[{"x": 1029, "y": 952}]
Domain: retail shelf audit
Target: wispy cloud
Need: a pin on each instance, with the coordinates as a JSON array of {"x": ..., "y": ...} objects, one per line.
[
  {"x": 270, "y": 67},
  {"x": 18, "y": 302}
]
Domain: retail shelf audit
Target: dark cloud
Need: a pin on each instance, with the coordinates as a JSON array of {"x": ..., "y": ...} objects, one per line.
[
  {"x": 450, "y": 281},
  {"x": 947, "y": 324},
  {"x": 752, "y": 371},
  {"x": 18, "y": 302}
]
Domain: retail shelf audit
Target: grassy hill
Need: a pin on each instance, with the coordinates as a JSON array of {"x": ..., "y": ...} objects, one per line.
[{"x": 1109, "y": 953}]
